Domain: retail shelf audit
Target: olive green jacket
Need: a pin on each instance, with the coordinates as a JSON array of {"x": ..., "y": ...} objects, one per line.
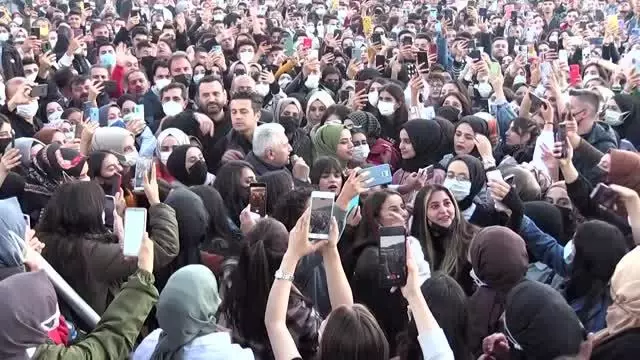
[{"x": 114, "y": 336}]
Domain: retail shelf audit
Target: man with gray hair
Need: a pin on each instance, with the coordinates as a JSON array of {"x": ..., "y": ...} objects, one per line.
[{"x": 271, "y": 151}]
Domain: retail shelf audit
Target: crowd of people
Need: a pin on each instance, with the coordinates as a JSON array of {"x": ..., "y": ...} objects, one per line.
[{"x": 506, "y": 132}]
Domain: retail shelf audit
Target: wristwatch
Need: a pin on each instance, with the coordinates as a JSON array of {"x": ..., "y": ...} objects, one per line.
[{"x": 281, "y": 275}]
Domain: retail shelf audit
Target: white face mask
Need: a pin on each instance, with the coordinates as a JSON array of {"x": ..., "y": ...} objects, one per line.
[
  {"x": 18, "y": 21},
  {"x": 131, "y": 158},
  {"x": 246, "y": 57},
  {"x": 161, "y": 83},
  {"x": 459, "y": 188},
  {"x": 373, "y": 98},
  {"x": 519, "y": 79},
  {"x": 4, "y": 37},
  {"x": 218, "y": 17},
  {"x": 29, "y": 110},
  {"x": 70, "y": 135},
  {"x": 484, "y": 89},
  {"x": 164, "y": 157},
  {"x": 32, "y": 77},
  {"x": 159, "y": 25},
  {"x": 312, "y": 81},
  {"x": 54, "y": 116},
  {"x": 321, "y": 11},
  {"x": 172, "y": 108},
  {"x": 262, "y": 89},
  {"x": 360, "y": 152},
  {"x": 386, "y": 108},
  {"x": 283, "y": 83},
  {"x": 197, "y": 78},
  {"x": 614, "y": 118}
]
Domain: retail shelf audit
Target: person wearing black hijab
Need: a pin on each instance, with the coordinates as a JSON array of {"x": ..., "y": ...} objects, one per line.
[
  {"x": 466, "y": 178},
  {"x": 462, "y": 145},
  {"x": 187, "y": 165},
  {"x": 627, "y": 123}
]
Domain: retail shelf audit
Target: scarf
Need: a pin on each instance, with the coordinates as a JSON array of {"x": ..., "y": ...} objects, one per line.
[
  {"x": 186, "y": 310},
  {"x": 325, "y": 141},
  {"x": 428, "y": 143},
  {"x": 52, "y": 166}
]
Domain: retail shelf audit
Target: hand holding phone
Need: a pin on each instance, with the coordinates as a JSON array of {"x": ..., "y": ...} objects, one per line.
[
  {"x": 604, "y": 196},
  {"x": 258, "y": 198},
  {"x": 321, "y": 214},
  {"x": 392, "y": 256}
]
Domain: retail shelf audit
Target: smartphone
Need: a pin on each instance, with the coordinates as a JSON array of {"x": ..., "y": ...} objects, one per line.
[
  {"x": 35, "y": 31},
  {"x": 135, "y": 225},
  {"x": 46, "y": 46},
  {"x": 563, "y": 56},
  {"x": 343, "y": 96},
  {"x": 78, "y": 32},
  {"x": 604, "y": 196},
  {"x": 574, "y": 74},
  {"x": 258, "y": 198},
  {"x": 494, "y": 175},
  {"x": 433, "y": 48},
  {"x": 482, "y": 13},
  {"x": 423, "y": 58},
  {"x": 143, "y": 166},
  {"x": 307, "y": 43},
  {"x": 514, "y": 17},
  {"x": 378, "y": 175},
  {"x": 109, "y": 207},
  {"x": 109, "y": 86},
  {"x": 560, "y": 135},
  {"x": 438, "y": 27},
  {"x": 39, "y": 90},
  {"x": 475, "y": 55},
  {"x": 329, "y": 50},
  {"x": 360, "y": 86},
  {"x": 381, "y": 60},
  {"x": 429, "y": 170},
  {"x": 376, "y": 38},
  {"x": 392, "y": 256},
  {"x": 471, "y": 4},
  {"x": 337, "y": 33},
  {"x": 321, "y": 214},
  {"x": 356, "y": 53},
  {"x": 407, "y": 40},
  {"x": 216, "y": 49},
  {"x": 44, "y": 32},
  {"x": 138, "y": 110}
]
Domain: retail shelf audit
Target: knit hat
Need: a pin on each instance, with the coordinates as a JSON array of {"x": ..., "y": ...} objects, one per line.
[{"x": 539, "y": 320}]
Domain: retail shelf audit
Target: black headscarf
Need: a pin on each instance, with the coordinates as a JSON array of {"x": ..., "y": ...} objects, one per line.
[
  {"x": 541, "y": 321},
  {"x": 549, "y": 219},
  {"x": 177, "y": 166},
  {"x": 477, "y": 177},
  {"x": 428, "y": 141},
  {"x": 479, "y": 126},
  {"x": 630, "y": 129}
]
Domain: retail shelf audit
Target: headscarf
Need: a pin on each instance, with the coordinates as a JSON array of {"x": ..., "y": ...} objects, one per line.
[
  {"x": 624, "y": 169},
  {"x": 28, "y": 300},
  {"x": 630, "y": 129},
  {"x": 51, "y": 166},
  {"x": 499, "y": 260},
  {"x": 177, "y": 166},
  {"x": 549, "y": 219},
  {"x": 25, "y": 145},
  {"x": 478, "y": 125},
  {"x": 428, "y": 143},
  {"x": 366, "y": 122},
  {"x": 324, "y": 97},
  {"x": 539, "y": 319},
  {"x": 12, "y": 230},
  {"x": 624, "y": 313},
  {"x": 326, "y": 139},
  {"x": 477, "y": 177},
  {"x": 380, "y": 147},
  {"x": 186, "y": 310},
  {"x": 179, "y": 135},
  {"x": 46, "y": 135},
  {"x": 283, "y": 103},
  {"x": 110, "y": 138}
]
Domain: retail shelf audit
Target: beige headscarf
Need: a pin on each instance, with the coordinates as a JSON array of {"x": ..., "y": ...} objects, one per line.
[{"x": 624, "y": 313}]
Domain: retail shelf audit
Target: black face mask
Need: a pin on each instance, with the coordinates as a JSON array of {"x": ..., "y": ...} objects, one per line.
[
  {"x": 111, "y": 185},
  {"x": 348, "y": 50},
  {"x": 184, "y": 79},
  {"x": 4, "y": 143},
  {"x": 289, "y": 123},
  {"x": 438, "y": 230},
  {"x": 331, "y": 86},
  {"x": 197, "y": 173}
]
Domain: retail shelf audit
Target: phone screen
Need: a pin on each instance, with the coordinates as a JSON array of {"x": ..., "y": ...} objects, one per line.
[
  {"x": 135, "y": 225},
  {"x": 393, "y": 257},
  {"x": 380, "y": 60},
  {"x": 321, "y": 213},
  {"x": 378, "y": 175},
  {"x": 343, "y": 96},
  {"x": 561, "y": 136},
  {"x": 109, "y": 207},
  {"x": 143, "y": 166},
  {"x": 39, "y": 91},
  {"x": 360, "y": 86},
  {"x": 376, "y": 38},
  {"x": 604, "y": 196},
  {"x": 407, "y": 40},
  {"x": 423, "y": 58},
  {"x": 258, "y": 198}
]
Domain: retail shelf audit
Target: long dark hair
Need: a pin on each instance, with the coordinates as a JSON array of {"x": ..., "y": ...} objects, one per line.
[
  {"x": 599, "y": 247},
  {"x": 245, "y": 302},
  {"x": 72, "y": 216},
  {"x": 278, "y": 183},
  {"x": 448, "y": 303},
  {"x": 229, "y": 185},
  {"x": 219, "y": 226},
  {"x": 324, "y": 165}
]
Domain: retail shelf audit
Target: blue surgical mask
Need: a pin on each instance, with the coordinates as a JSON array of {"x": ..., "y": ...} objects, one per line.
[{"x": 107, "y": 59}]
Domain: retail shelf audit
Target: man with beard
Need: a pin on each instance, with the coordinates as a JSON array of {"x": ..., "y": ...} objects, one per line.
[
  {"x": 212, "y": 101},
  {"x": 499, "y": 49}
]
